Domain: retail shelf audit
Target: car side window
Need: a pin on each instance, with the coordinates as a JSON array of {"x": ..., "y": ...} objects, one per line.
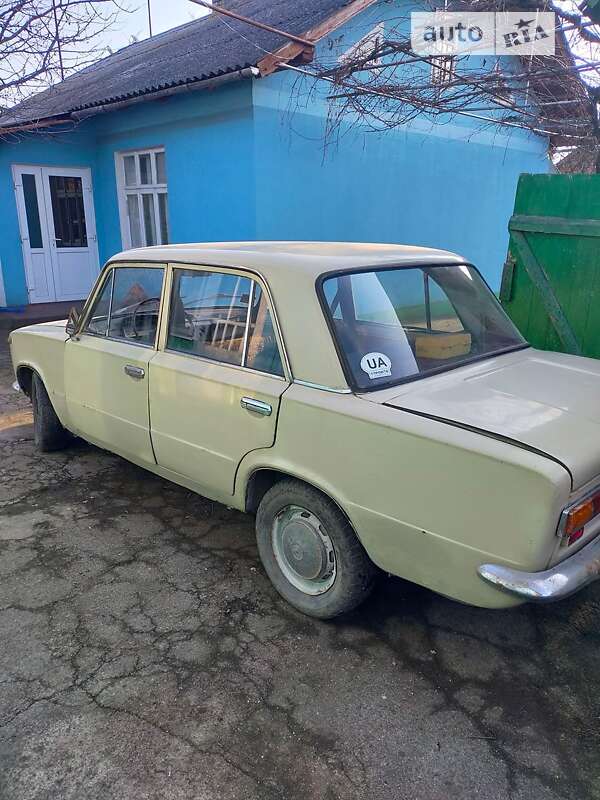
[
  {"x": 262, "y": 350},
  {"x": 128, "y": 305},
  {"x": 135, "y": 304},
  {"x": 224, "y": 317},
  {"x": 98, "y": 320},
  {"x": 209, "y": 311}
]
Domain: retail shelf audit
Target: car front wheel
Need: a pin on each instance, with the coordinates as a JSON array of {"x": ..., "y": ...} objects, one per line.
[
  {"x": 49, "y": 434},
  {"x": 310, "y": 552}
]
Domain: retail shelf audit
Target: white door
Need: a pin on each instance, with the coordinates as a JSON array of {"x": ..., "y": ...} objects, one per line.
[
  {"x": 58, "y": 231},
  {"x": 34, "y": 233}
]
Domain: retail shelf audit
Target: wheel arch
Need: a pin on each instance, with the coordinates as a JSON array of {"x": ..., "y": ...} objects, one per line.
[
  {"x": 262, "y": 478},
  {"x": 25, "y": 373}
]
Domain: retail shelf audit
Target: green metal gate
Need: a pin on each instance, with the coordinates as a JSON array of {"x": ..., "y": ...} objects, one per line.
[{"x": 551, "y": 279}]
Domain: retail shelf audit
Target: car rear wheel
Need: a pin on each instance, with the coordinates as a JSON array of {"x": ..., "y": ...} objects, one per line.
[
  {"x": 310, "y": 552},
  {"x": 49, "y": 434}
]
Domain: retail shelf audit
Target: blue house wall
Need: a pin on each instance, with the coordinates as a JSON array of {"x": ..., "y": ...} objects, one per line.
[
  {"x": 250, "y": 161},
  {"x": 449, "y": 184},
  {"x": 208, "y": 141},
  {"x": 439, "y": 186}
]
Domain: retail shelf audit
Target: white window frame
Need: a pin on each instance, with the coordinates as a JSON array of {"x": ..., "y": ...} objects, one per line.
[
  {"x": 443, "y": 70},
  {"x": 139, "y": 189},
  {"x": 364, "y": 46},
  {"x": 509, "y": 98}
]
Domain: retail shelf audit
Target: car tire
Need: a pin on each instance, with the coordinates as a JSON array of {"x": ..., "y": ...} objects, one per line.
[
  {"x": 310, "y": 551},
  {"x": 49, "y": 434}
]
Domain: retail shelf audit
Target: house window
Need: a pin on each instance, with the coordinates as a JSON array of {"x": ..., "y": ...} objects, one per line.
[
  {"x": 443, "y": 70},
  {"x": 143, "y": 198},
  {"x": 500, "y": 87},
  {"x": 370, "y": 44}
]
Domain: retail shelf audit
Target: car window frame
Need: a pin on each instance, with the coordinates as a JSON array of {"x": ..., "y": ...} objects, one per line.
[
  {"x": 106, "y": 277},
  {"x": 245, "y": 273},
  {"x": 346, "y": 368},
  {"x": 108, "y": 272}
]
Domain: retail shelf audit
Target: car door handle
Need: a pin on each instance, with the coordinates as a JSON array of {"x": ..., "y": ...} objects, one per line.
[
  {"x": 134, "y": 372},
  {"x": 250, "y": 404}
]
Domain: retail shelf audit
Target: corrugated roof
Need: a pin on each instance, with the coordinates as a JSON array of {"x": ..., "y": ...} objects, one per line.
[{"x": 207, "y": 47}]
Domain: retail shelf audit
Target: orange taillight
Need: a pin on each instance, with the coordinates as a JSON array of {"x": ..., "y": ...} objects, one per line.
[
  {"x": 579, "y": 516},
  {"x": 575, "y": 518}
]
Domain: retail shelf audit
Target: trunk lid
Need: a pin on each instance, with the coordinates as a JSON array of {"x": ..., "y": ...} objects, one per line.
[{"x": 546, "y": 401}]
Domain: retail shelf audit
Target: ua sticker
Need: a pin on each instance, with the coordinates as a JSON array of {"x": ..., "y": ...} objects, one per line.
[{"x": 376, "y": 365}]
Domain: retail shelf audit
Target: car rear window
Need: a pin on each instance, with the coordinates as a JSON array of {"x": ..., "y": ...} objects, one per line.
[{"x": 399, "y": 324}]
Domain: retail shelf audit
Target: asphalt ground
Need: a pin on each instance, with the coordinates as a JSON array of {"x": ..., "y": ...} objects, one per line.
[{"x": 144, "y": 654}]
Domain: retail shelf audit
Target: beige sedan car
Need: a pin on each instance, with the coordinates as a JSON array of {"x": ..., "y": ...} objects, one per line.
[{"x": 371, "y": 404}]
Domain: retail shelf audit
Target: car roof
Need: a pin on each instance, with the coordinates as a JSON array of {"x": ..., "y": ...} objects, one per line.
[
  {"x": 310, "y": 258},
  {"x": 290, "y": 270}
]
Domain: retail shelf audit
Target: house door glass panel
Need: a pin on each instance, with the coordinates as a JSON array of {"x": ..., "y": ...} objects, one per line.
[
  {"x": 68, "y": 211},
  {"x": 35, "y": 241},
  {"x": 34, "y": 227}
]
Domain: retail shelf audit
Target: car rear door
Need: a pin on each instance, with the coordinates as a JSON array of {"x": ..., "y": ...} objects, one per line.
[
  {"x": 106, "y": 365},
  {"x": 216, "y": 383}
]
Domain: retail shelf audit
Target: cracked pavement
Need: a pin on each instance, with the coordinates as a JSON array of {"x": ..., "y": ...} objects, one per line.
[{"x": 144, "y": 654}]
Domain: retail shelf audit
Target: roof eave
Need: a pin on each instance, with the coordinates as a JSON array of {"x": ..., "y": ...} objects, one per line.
[
  {"x": 293, "y": 50},
  {"x": 83, "y": 112},
  {"x": 298, "y": 47}
]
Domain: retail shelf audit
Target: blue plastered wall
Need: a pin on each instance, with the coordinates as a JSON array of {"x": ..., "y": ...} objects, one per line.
[
  {"x": 208, "y": 140},
  {"x": 449, "y": 184},
  {"x": 253, "y": 160}
]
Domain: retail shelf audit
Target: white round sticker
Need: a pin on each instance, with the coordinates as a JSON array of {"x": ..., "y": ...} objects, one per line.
[{"x": 376, "y": 365}]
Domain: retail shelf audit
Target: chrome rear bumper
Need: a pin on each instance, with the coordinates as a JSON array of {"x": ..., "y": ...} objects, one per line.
[{"x": 560, "y": 581}]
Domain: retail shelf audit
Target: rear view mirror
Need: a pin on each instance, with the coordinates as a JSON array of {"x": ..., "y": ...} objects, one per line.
[{"x": 73, "y": 322}]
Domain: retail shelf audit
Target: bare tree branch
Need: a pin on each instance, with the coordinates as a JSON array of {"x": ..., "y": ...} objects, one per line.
[
  {"x": 43, "y": 41},
  {"x": 384, "y": 84}
]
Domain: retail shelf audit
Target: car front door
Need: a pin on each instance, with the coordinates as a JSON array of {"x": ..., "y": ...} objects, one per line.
[
  {"x": 106, "y": 365},
  {"x": 216, "y": 385}
]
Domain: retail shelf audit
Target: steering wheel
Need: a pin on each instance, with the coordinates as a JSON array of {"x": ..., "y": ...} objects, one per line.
[{"x": 134, "y": 328}]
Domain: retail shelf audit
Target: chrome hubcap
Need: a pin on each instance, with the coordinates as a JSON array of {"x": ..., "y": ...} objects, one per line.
[{"x": 303, "y": 550}]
